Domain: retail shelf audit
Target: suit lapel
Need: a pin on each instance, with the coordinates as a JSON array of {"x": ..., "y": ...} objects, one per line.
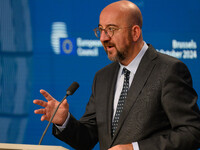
[{"x": 143, "y": 72}]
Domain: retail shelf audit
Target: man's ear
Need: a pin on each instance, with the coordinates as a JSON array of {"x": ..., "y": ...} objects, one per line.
[{"x": 136, "y": 32}]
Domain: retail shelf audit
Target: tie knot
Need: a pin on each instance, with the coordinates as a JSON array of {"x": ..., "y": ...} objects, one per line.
[{"x": 126, "y": 72}]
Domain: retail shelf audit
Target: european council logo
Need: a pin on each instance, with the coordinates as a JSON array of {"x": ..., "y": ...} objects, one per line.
[{"x": 67, "y": 46}]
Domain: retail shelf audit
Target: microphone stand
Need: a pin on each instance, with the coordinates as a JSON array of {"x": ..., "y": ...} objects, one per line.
[
  {"x": 70, "y": 91},
  {"x": 52, "y": 119}
]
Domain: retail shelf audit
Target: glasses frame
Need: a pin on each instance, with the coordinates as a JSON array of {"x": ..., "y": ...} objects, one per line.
[{"x": 106, "y": 30}]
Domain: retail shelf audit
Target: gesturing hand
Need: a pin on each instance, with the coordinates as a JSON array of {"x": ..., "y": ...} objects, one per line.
[{"x": 49, "y": 108}]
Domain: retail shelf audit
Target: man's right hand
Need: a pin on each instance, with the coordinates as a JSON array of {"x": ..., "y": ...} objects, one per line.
[{"x": 49, "y": 108}]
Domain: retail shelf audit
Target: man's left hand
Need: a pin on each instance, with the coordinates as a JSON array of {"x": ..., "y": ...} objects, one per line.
[{"x": 122, "y": 147}]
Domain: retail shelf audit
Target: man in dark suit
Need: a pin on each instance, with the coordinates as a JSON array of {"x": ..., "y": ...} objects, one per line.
[{"x": 159, "y": 111}]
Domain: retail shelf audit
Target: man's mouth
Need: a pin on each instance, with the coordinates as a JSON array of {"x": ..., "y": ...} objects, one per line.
[{"x": 109, "y": 46}]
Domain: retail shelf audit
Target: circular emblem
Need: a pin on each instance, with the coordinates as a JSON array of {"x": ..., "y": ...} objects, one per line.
[{"x": 67, "y": 46}]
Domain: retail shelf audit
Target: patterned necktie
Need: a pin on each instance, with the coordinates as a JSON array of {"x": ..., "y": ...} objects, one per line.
[{"x": 122, "y": 98}]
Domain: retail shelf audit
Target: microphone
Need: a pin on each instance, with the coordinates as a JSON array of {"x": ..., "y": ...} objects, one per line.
[
  {"x": 70, "y": 91},
  {"x": 73, "y": 87}
]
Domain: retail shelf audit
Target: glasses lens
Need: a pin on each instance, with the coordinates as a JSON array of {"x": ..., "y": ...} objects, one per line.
[
  {"x": 109, "y": 31},
  {"x": 97, "y": 32}
]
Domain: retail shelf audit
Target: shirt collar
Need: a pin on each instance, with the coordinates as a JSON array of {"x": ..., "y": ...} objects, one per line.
[{"x": 132, "y": 67}]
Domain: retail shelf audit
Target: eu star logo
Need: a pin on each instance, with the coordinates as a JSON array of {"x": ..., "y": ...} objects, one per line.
[{"x": 67, "y": 46}]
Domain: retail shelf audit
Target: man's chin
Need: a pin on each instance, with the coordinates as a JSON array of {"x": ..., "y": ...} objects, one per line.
[{"x": 112, "y": 58}]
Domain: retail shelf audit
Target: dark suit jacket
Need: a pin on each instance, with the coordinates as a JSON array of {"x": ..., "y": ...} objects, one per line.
[{"x": 160, "y": 111}]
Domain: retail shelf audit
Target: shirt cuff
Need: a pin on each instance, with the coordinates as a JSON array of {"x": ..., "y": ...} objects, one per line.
[
  {"x": 135, "y": 146},
  {"x": 61, "y": 128}
]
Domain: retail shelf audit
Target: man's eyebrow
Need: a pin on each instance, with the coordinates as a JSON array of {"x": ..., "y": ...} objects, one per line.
[{"x": 108, "y": 25}]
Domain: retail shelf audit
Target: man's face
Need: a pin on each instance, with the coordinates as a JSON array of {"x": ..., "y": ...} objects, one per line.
[{"x": 119, "y": 45}]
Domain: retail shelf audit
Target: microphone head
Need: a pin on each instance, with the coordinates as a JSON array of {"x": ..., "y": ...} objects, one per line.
[{"x": 73, "y": 87}]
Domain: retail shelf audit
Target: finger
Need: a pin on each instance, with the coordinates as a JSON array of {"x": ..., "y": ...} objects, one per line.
[
  {"x": 46, "y": 95},
  {"x": 40, "y": 111},
  {"x": 43, "y": 118},
  {"x": 40, "y": 102},
  {"x": 65, "y": 102}
]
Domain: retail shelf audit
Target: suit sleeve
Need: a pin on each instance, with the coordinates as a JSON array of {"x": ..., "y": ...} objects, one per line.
[
  {"x": 178, "y": 100},
  {"x": 82, "y": 134}
]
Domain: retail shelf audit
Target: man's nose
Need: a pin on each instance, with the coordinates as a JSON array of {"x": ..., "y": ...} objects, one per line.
[{"x": 104, "y": 36}]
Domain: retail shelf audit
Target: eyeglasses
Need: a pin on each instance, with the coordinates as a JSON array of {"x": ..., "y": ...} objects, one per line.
[{"x": 109, "y": 31}]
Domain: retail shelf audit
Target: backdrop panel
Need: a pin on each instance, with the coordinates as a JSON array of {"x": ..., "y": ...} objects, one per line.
[{"x": 49, "y": 44}]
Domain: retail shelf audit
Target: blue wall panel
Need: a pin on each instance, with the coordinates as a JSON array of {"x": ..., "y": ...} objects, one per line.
[{"x": 32, "y": 56}]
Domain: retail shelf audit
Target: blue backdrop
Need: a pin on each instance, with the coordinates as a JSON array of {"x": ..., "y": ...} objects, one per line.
[{"x": 48, "y": 44}]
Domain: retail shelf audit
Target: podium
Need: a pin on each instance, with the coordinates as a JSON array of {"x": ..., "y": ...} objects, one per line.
[{"x": 6, "y": 146}]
